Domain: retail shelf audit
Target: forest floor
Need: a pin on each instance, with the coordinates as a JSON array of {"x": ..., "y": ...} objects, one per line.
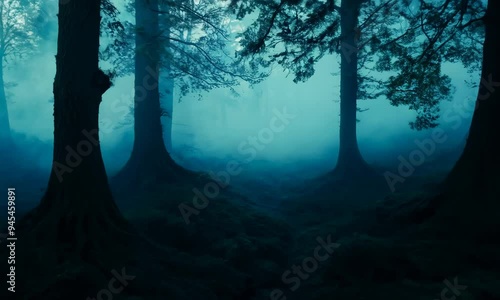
[{"x": 271, "y": 237}]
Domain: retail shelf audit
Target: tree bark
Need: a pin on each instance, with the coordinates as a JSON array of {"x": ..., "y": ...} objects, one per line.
[
  {"x": 77, "y": 214},
  {"x": 473, "y": 184},
  {"x": 350, "y": 162}
]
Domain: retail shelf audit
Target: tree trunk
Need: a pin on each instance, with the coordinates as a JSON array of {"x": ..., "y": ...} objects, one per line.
[
  {"x": 150, "y": 161},
  {"x": 168, "y": 106},
  {"x": 5, "y": 134},
  {"x": 350, "y": 163},
  {"x": 77, "y": 214},
  {"x": 472, "y": 187},
  {"x": 167, "y": 82}
]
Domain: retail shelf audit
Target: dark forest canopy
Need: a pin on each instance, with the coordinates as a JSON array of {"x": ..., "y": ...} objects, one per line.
[{"x": 409, "y": 38}]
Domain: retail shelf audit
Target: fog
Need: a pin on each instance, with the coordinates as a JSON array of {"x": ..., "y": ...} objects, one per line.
[{"x": 214, "y": 125}]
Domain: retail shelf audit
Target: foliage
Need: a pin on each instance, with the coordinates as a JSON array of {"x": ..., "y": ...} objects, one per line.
[
  {"x": 405, "y": 40},
  {"x": 195, "y": 42},
  {"x": 18, "y": 34},
  {"x": 437, "y": 32}
]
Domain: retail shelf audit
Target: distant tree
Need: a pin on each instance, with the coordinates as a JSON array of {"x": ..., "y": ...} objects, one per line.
[
  {"x": 149, "y": 158},
  {"x": 187, "y": 42},
  {"x": 18, "y": 38},
  {"x": 45, "y": 19}
]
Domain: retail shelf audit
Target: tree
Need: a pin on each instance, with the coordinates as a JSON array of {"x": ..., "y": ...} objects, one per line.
[
  {"x": 298, "y": 33},
  {"x": 165, "y": 42},
  {"x": 45, "y": 20},
  {"x": 149, "y": 158},
  {"x": 17, "y": 39},
  {"x": 475, "y": 176},
  {"x": 455, "y": 31},
  {"x": 349, "y": 160},
  {"x": 167, "y": 85},
  {"x": 77, "y": 215},
  {"x": 469, "y": 196},
  {"x": 381, "y": 36}
]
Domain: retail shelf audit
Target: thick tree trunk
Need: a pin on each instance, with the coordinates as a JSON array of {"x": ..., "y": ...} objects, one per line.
[
  {"x": 473, "y": 186},
  {"x": 77, "y": 214},
  {"x": 350, "y": 163},
  {"x": 150, "y": 161}
]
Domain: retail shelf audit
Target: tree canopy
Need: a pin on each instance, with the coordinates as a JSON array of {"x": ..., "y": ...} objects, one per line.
[{"x": 407, "y": 40}]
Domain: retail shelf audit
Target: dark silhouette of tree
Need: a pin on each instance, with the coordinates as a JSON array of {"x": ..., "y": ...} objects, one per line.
[
  {"x": 149, "y": 160},
  {"x": 476, "y": 176},
  {"x": 77, "y": 219},
  {"x": 470, "y": 194},
  {"x": 296, "y": 34},
  {"x": 167, "y": 49},
  {"x": 455, "y": 31},
  {"x": 409, "y": 38}
]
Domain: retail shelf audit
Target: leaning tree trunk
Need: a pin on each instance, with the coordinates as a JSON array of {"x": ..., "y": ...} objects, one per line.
[
  {"x": 77, "y": 217},
  {"x": 150, "y": 161},
  {"x": 350, "y": 163},
  {"x": 473, "y": 186}
]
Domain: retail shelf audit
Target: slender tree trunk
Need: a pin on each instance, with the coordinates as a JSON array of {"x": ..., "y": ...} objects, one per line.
[
  {"x": 77, "y": 214},
  {"x": 150, "y": 161},
  {"x": 473, "y": 184},
  {"x": 350, "y": 163},
  {"x": 148, "y": 144},
  {"x": 167, "y": 82},
  {"x": 168, "y": 106},
  {"x": 5, "y": 134}
]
